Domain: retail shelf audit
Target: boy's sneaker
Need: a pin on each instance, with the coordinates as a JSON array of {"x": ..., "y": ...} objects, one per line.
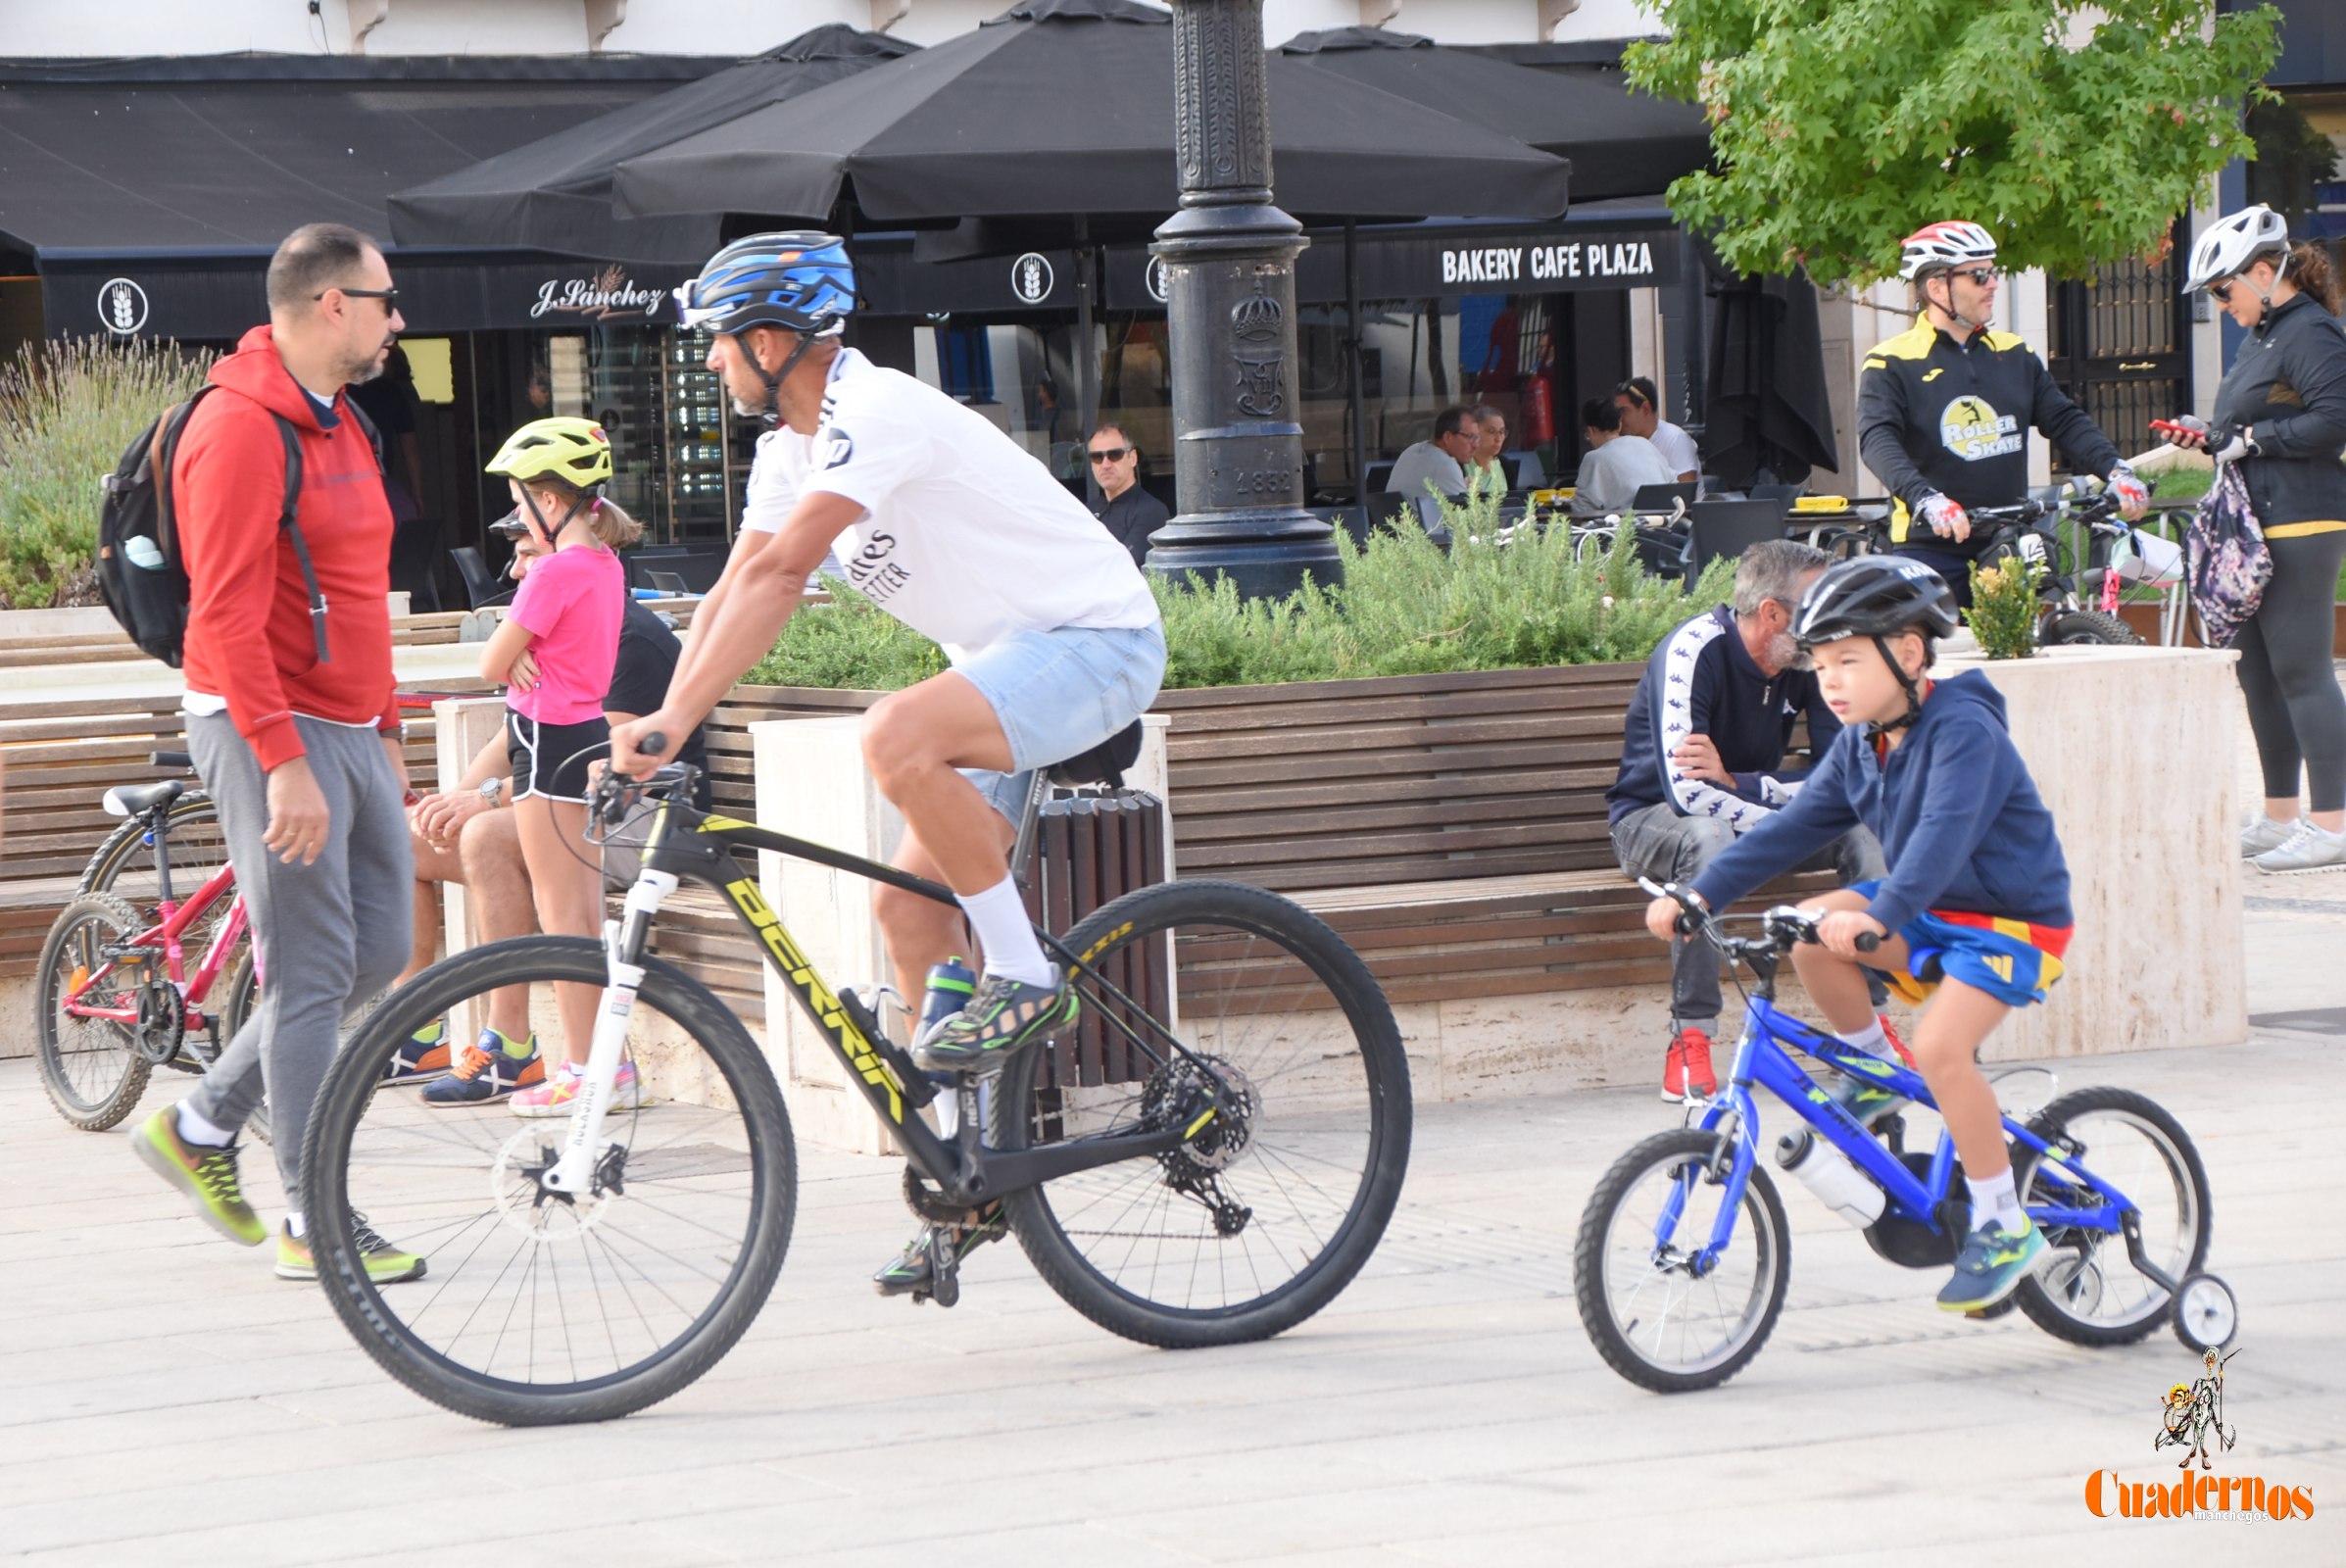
[
  {"x": 560, "y": 1091},
  {"x": 1992, "y": 1265},
  {"x": 488, "y": 1073},
  {"x": 1860, "y": 1096},
  {"x": 1687, "y": 1072},
  {"x": 909, "y": 1270},
  {"x": 420, "y": 1058},
  {"x": 204, "y": 1173},
  {"x": 385, "y": 1264},
  {"x": 2264, "y": 835},
  {"x": 1005, "y": 1015},
  {"x": 2307, "y": 848}
]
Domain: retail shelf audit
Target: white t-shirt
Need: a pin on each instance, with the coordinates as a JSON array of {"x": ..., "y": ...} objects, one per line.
[
  {"x": 964, "y": 538},
  {"x": 1677, "y": 448}
]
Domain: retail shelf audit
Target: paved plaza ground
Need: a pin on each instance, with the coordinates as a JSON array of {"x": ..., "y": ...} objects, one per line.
[{"x": 162, "y": 1397}]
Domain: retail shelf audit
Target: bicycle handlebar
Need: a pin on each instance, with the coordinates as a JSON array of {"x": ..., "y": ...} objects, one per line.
[{"x": 1783, "y": 926}]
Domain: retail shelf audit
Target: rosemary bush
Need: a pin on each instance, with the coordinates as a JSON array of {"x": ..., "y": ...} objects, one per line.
[
  {"x": 68, "y": 408},
  {"x": 1405, "y": 607}
]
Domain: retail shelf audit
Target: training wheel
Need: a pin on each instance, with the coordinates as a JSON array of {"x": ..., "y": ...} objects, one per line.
[{"x": 2206, "y": 1317}]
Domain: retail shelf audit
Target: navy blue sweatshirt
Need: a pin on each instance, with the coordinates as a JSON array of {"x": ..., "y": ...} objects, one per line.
[
  {"x": 1702, "y": 681},
  {"x": 1959, "y": 819}
]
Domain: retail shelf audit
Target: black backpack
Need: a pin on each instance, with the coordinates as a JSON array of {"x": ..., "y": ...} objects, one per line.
[{"x": 139, "y": 570}]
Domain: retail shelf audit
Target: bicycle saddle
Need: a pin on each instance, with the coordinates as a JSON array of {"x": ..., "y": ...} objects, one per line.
[
  {"x": 137, "y": 799},
  {"x": 1103, "y": 763}
]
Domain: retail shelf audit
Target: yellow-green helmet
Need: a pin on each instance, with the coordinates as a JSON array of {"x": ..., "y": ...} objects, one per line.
[{"x": 572, "y": 450}]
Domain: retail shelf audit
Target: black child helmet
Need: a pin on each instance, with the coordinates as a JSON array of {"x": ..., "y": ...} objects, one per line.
[{"x": 1877, "y": 597}]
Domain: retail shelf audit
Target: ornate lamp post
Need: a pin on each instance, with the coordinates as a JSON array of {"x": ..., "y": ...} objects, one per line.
[{"x": 1229, "y": 272}]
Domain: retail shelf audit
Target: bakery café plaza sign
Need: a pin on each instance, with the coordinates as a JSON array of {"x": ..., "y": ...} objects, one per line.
[{"x": 611, "y": 294}]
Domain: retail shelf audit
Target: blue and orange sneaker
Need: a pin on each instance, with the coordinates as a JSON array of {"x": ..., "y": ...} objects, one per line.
[
  {"x": 420, "y": 1058},
  {"x": 1992, "y": 1266},
  {"x": 488, "y": 1073}
]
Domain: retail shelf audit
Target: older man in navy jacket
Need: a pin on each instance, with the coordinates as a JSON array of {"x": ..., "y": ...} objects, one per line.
[{"x": 1703, "y": 761}]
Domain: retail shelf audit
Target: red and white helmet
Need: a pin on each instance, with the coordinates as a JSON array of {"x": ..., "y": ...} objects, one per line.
[
  {"x": 1937, "y": 246},
  {"x": 2226, "y": 246}
]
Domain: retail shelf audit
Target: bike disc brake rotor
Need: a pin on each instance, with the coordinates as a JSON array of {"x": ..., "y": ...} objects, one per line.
[{"x": 523, "y": 1202}]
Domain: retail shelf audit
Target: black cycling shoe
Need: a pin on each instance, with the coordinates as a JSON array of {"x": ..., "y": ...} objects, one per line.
[{"x": 914, "y": 1269}]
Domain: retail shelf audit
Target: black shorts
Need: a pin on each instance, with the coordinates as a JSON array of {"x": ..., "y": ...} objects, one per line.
[{"x": 551, "y": 759}]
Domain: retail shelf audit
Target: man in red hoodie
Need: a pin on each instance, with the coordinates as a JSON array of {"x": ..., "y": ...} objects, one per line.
[{"x": 300, "y": 753}]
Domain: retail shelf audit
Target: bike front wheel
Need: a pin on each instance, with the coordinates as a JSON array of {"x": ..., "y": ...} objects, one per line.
[
  {"x": 534, "y": 1307},
  {"x": 1269, "y": 1208},
  {"x": 1657, "y": 1312}
]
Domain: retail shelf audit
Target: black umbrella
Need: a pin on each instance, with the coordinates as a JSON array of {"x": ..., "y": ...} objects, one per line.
[
  {"x": 1620, "y": 142},
  {"x": 972, "y": 129},
  {"x": 1768, "y": 407},
  {"x": 983, "y": 126},
  {"x": 555, "y": 194}
]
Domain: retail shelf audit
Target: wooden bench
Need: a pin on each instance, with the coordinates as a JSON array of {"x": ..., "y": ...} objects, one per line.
[
  {"x": 1451, "y": 827},
  {"x": 61, "y": 755}
]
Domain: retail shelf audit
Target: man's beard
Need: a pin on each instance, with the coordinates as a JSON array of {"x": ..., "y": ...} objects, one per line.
[
  {"x": 361, "y": 371},
  {"x": 1783, "y": 649}
]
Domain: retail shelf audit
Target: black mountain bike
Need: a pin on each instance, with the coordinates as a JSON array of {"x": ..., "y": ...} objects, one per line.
[{"x": 1205, "y": 1157}]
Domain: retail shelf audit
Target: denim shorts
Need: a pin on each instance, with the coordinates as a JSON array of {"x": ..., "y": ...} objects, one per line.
[{"x": 1060, "y": 692}]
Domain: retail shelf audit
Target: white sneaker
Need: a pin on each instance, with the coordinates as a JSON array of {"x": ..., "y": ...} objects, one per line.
[
  {"x": 2307, "y": 848},
  {"x": 2264, "y": 835}
]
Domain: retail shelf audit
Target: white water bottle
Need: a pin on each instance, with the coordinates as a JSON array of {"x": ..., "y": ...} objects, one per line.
[{"x": 1826, "y": 1173}]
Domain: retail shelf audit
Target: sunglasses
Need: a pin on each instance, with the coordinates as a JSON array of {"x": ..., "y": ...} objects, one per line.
[
  {"x": 389, "y": 296},
  {"x": 2222, "y": 292},
  {"x": 1981, "y": 275},
  {"x": 1111, "y": 454}
]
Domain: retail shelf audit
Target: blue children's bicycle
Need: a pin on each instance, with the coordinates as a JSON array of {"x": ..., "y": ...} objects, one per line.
[{"x": 1683, "y": 1253}]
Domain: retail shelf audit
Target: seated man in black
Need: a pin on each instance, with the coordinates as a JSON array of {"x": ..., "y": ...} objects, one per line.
[
  {"x": 1125, "y": 508},
  {"x": 1702, "y": 760}
]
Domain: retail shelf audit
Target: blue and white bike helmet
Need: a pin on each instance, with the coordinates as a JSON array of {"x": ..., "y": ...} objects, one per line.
[{"x": 796, "y": 281}]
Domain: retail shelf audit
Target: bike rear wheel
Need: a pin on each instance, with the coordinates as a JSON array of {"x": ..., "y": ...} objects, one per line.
[
  {"x": 2088, "y": 1291},
  {"x": 536, "y": 1309},
  {"x": 1272, "y": 1207},
  {"x": 2090, "y": 628},
  {"x": 92, "y": 1067},
  {"x": 1653, "y": 1319}
]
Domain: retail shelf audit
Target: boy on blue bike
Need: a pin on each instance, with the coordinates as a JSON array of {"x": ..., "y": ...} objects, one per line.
[{"x": 1974, "y": 908}]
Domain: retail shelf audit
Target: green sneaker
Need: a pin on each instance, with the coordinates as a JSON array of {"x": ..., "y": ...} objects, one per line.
[
  {"x": 1005, "y": 1015},
  {"x": 385, "y": 1264},
  {"x": 204, "y": 1173},
  {"x": 1992, "y": 1265},
  {"x": 909, "y": 1270},
  {"x": 1861, "y": 1096}
]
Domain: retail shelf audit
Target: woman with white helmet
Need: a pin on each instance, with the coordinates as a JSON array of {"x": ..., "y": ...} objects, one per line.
[{"x": 2281, "y": 415}]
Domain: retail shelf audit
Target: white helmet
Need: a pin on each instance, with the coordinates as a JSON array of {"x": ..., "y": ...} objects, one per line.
[
  {"x": 1940, "y": 245},
  {"x": 2229, "y": 244}
]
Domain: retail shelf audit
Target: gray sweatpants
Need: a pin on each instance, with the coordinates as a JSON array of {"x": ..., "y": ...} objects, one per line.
[
  {"x": 332, "y": 934},
  {"x": 1655, "y": 842}
]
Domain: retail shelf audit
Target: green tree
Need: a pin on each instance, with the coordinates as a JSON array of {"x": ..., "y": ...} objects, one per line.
[{"x": 1838, "y": 126}]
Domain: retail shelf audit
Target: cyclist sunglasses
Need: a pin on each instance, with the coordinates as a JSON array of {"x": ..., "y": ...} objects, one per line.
[
  {"x": 1111, "y": 454},
  {"x": 1981, "y": 275},
  {"x": 2221, "y": 291},
  {"x": 389, "y": 296}
]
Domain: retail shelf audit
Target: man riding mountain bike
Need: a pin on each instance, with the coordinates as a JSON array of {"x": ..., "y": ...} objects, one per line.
[
  {"x": 1944, "y": 408},
  {"x": 945, "y": 523}
]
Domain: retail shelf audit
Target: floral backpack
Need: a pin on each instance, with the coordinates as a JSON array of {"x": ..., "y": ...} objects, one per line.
[{"x": 2226, "y": 561}]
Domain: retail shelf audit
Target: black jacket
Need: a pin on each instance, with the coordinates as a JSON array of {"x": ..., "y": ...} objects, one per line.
[
  {"x": 1932, "y": 414},
  {"x": 2290, "y": 385},
  {"x": 1132, "y": 517}
]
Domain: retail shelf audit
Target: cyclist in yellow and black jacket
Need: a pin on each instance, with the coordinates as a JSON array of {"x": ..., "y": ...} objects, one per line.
[{"x": 1944, "y": 408}]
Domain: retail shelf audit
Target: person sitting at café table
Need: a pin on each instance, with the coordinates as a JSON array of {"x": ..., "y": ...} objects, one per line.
[
  {"x": 1440, "y": 461},
  {"x": 1618, "y": 464},
  {"x": 1641, "y": 415},
  {"x": 1486, "y": 473},
  {"x": 1125, "y": 507}
]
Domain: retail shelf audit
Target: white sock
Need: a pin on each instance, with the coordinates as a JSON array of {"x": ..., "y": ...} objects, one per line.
[
  {"x": 998, "y": 917},
  {"x": 194, "y": 1129},
  {"x": 293, "y": 1224},
  {"x": 1870, "y": 1039},
  {"x": 1995, "y": 1199}
]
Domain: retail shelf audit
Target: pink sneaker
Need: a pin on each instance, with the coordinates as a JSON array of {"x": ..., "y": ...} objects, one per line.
[{"x": 555, "y": 1096}]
